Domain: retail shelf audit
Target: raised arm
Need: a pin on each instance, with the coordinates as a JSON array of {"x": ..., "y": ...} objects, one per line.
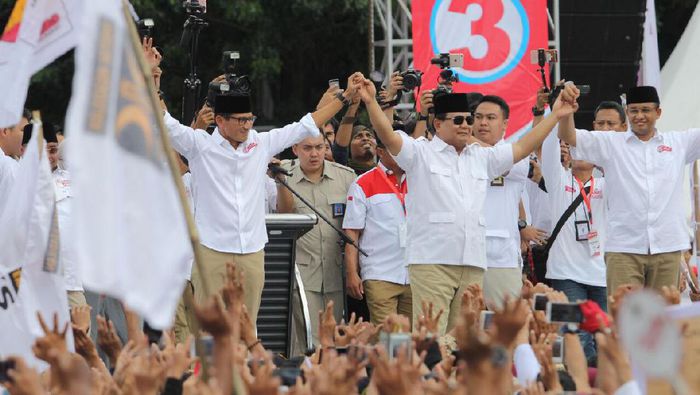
[
  {"x": 563, "y": 108},
  {"x": 567, "y": 130},
  {"x": 328, "y": 111},
  {"x": 381, "y": 124}
]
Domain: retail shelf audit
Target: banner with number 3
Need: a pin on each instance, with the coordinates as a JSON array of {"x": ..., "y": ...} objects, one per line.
[{"x": 495, "y": 37}]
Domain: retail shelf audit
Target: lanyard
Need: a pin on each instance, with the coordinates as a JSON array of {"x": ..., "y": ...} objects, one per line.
[
  {"x": 587, "y": 196},
  {"x": 399, "y": 194}
]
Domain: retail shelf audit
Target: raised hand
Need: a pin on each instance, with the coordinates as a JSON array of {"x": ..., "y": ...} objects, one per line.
[
  {"x": 510, "y": 320},
  {"x": 426, "y": 102},
  {"x": 80, "y": 317},
  {"x": 176, "y": 356},
  {"x": 53, "y": 344},
  {"x": 263, "y": 382},
  {"x": 212, "y": 317},
  {"x": 205, "y": 117},
  {"x": 429, "y": 320},
  {"x": 326, "y": 326},
  {"x": 395, "y": 85},
  {"x": 23, "y": 380},
  {"x": 368, "y": 91},
  {"x": 346, "y": 333},
  {"x": 153, "y": 57},
  {"x": 566, "y": 104},
  {"x": 108, "y": 340}
]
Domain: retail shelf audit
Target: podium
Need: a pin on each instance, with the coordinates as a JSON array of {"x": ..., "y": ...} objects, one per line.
[{"x": 275, "y": 315}]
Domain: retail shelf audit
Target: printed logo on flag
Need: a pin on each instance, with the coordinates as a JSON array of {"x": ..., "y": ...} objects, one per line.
[
  {"x": 493, "y": 36},
  {"x": 9, "y": 288}
]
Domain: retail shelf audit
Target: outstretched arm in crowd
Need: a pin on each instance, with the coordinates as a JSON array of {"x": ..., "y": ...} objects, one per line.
[
  {"x": 567, "y": 130},
  {"x": 564, "y": 107},
  {"x": 328, "y": 111},
  {"x": 381, "y": 124}
]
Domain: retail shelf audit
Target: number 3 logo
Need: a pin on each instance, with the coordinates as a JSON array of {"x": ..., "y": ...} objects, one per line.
[{"x": 493, "y": 35}]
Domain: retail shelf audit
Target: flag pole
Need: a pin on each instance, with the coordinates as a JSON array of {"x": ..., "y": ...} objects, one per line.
[{"x": 175, "y": 172}]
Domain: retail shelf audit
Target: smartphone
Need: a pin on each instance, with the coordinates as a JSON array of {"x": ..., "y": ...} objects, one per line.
[
  {"x": 153, "y": 335},
  {"x": 287, "y": 375},
  {"x": 558, "y": 350},
  {"x": 689, "y": 281},
  {"x": 396, "y": 343},
  {"x": 564, "y": 313},
  {"x": 207, "y": 347},
  {"x": 486, "y": 319},
  {"x": 541, "y": 56},
  {"x": 4, "y": 367},
  {"x": 334, "y": 82},
  {"x": 456, "y": 60},
  {"x": 539, "y": 302}
]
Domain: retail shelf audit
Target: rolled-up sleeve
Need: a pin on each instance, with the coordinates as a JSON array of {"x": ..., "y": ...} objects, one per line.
[
  {"x": 500, "y": 159},
  {"x": 406, "y": 156},
  {"x": 277, "y": 140},
  {"x": 591, "y": 146}
]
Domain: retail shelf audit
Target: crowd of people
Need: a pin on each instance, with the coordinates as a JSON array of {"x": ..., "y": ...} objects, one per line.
[{"x": 457, "y": 232}]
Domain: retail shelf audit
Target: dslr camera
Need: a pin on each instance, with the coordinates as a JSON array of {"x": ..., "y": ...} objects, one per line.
[
  {"x": 411, "y": 79},
  {"x": 233, "y": 84}
]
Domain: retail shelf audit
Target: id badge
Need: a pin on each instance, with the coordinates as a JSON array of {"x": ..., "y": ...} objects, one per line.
[
  {"x": 498, "y": 181},
  {"x": 403, "y": 234},
  {"x": 583, "y": 230},
  {"x": 594, "y": 243}
]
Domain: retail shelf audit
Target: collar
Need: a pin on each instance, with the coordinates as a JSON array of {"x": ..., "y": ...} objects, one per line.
[
  {"x": 501, "y": 142},
  {"x": 629, "y": 134},
  {"x": 2, "y": 153},
  {"x": 438, "y": 144},
  {"x": 298, "y": 176},
  {"x": 220, "y": 140},
  {"x": 388, "y": 172}
]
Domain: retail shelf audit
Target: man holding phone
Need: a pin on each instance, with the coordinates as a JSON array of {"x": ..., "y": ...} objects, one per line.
[{"x": 644, "y": 168}]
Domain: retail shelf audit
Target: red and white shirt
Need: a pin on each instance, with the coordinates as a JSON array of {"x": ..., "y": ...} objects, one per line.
[{"x": 375, "y": 205}]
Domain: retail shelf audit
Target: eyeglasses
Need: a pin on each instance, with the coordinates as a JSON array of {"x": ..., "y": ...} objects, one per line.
[
  {"x": 459, "y": 119},
  {"x": 244, "y": 119}
]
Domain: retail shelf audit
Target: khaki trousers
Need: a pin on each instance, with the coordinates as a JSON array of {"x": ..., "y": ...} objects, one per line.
[
  {"x": 443, "y": 285},
  {"x": 214, "y": 263},
  {"x": 649, "y": 270},
  {"x": 501, "y": 282},
  {"x": 183, "y": 316},
  {"x": 76, "y": 298},
  {"x": 316, "y": 302},
  {"x": 384, "y": 298}
]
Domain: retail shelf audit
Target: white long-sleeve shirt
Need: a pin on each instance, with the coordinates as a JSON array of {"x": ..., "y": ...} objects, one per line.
[
  {"x": 228, "y": 184},
  {"x": 645, "y": 187}
]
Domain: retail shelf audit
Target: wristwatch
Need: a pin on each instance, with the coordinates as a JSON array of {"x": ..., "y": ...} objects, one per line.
[
  {"x": 522, "y": 224},
  {"x": 343, "y": 99},
  {"x": 537, "y": 112},
  {"x": 422, "y": 117}
]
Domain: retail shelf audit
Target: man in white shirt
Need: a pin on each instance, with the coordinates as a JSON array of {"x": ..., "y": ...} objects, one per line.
[
  {"x": 376, "y": 218},
  {"x": 228, "y": 183},
  {"x": 609, "y": 116},
  {"x": 644, "y": 170},
  {"x": 448, "y": 179},
  {"x": 10, "y": 151},
  {"x": 501, "y": 209},
  {"x": 575, "y": 265}
]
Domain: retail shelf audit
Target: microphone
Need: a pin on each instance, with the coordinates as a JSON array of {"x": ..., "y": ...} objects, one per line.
[{"x": 277, "y": 169}]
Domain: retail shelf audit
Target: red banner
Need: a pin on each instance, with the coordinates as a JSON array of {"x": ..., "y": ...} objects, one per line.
[{"x": 496, "y": 38}]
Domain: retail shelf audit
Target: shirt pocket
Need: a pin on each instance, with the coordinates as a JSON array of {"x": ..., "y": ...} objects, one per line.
[
  {"x": 440, "y": 176},
  {"x": 381, "y": 207},
  {"x": 498, "y": 241}
]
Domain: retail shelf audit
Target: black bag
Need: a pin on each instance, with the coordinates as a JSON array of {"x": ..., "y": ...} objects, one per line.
[{"x": 538, "y": 255}]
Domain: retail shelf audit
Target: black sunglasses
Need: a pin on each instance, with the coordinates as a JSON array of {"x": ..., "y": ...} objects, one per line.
[{"x": 459, "y": 119}]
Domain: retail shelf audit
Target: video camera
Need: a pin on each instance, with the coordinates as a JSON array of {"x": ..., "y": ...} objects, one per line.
[
  {"x": 447, "y": 77},
  {"x": 195, "y": 7}
]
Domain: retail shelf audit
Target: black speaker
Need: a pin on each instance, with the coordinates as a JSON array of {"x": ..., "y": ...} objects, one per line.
[{"x": 601, "y": 46}]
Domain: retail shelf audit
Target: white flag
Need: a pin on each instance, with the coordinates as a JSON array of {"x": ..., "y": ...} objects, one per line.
[
  {"x": 128, "y": 223},
  {"x": 650, "y": 68},
  {"x": 37, "y": 32},
  {"x": 32, "y": 280}
]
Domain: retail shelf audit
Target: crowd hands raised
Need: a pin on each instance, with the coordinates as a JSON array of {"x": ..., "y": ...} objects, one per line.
[{"x": 512, "y": 355}]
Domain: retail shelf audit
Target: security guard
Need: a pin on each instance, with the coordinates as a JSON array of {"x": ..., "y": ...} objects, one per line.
[{"x": 324, "y": 185}]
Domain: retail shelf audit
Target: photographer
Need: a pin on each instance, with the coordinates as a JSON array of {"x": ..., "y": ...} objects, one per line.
[
  {"x": 448, "y": 181},
  {"x": 229, "y": 173}
]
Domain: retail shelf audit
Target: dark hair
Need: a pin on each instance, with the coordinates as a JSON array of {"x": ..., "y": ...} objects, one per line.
[
  {"x": 611, "y": 105},
  {"x": 499, "y": 102}
]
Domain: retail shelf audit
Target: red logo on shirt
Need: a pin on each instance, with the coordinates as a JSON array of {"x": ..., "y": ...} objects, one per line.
[
  {"x": 249, "y": 147},
  {"x": 597, "y": 194},
  {"x": 349, "y": 197},
  {"x": 664, "y": 148},
  {"x": 569, "y": 189}
]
